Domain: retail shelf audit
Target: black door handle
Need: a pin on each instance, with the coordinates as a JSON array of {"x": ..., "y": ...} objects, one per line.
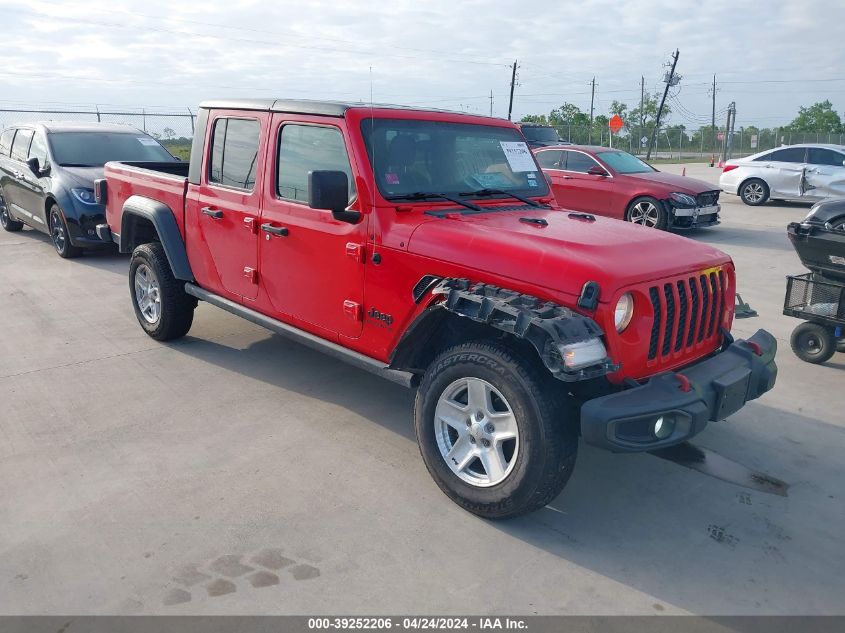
[
  {"x": 281, "y": 231},
  {"x": 212, "y": 213}
]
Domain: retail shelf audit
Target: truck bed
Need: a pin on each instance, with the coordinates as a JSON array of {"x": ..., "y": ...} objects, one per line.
[{"x": 164, "y": 182}]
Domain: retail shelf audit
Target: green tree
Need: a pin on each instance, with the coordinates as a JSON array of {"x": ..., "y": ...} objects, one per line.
[
  {"x": 535, "y": 118},
  {"x": 621, "y": 109},
  {"x": 649, "y": 111},
  {"x": 819, "y": 117}
]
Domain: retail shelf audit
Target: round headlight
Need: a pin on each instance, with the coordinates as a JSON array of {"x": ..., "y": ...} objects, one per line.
[{"x": 624, "y": 311}]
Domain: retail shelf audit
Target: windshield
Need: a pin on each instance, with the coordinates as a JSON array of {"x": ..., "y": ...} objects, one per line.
[
  {"x": 95, "y": 149},
  {"x": 411, "y": 156},
  {"x": 541, "y": 134},
  {"x": 625, "y": 163}
]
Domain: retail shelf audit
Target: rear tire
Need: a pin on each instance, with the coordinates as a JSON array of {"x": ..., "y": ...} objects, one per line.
[
  {"x": 6, "y": 221},
  {"x": 754, "y": 192},
  {"x": 162, "y": 306},
  {"x": 495, "y": 430},
  {"x": 647, "y": 211},
  {"x": 813, "y": 343},
  {"x": 59, "y": 235}
]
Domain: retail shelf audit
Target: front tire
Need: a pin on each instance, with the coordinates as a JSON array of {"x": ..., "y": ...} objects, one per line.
[
  {"x": 162, "y": 306},
  {"x": 495, "y": 430},
  {"x": 754, "y": 192},
  {"x": 813, "y": 343},
  {"x": 647, "y": 211},
  {"x": 6, "y": 221},
  {"x": 60, "y": 236}
]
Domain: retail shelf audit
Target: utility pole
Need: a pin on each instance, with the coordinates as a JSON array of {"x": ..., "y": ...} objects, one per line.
[
  {"x": 513, "y": 83},
  {"x": 729, "y": 128},
  {"x": 491, "y": 103},
  {"x": 669, "y": 82},
  {"x": 713, "y": 115},
  {"x": 642, "y": 121},
  {"x": 592, "y": 98}
]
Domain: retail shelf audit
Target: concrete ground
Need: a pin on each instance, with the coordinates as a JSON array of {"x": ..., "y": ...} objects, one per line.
[{"x": 234, "y": 472}]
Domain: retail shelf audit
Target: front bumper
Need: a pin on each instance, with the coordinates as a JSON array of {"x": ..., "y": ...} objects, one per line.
[
  {"x": 694, "y": 217},
  {"x": 686, "y": 400}
]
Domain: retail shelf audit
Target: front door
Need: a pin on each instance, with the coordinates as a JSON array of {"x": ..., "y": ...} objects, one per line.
[
  {"x": 312, "y": 265},
  {"x": 31, "y": 185},
  {"x": 14, "y": 189},
  {"x": 227, "y": 204},
  {"x": 825, "y": 174}
]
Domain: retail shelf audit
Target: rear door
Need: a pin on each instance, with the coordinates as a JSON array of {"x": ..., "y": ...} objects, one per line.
[
  {"x": 784, "y": 172},
  {"x": 312, "y": 265},
  {"x": 825, "y": 175},
  {"x": 14, "y": 187},
  {"x": 228, "y": 201},
  {"x": 6, "y": 172},
  {"x": 578, "y": 190}
]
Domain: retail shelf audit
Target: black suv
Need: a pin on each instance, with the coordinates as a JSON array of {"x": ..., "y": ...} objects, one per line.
[
  {"x": 47, "y": 173},
  {"x": 539, "y": 135}
]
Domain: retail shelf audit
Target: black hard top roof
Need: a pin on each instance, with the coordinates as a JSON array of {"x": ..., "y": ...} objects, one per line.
[{"x": 305, "y": 106}]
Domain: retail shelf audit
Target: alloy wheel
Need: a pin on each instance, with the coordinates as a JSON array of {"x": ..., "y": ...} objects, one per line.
[
  {"x": 645, "y": 213},
  {"x": 147, "y": 294},
  {"x": 4, "y": 212},
  {"x": 476, "y": 432},
  {"x": 753, "y": 192},
  {"x": 57, "y": 231}
]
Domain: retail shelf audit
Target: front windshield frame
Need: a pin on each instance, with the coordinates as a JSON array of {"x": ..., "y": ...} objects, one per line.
[
  {"x": 618, "y": 167},
  {"x": 66, "y": 159},
  {"x": 438, "y": 136}
]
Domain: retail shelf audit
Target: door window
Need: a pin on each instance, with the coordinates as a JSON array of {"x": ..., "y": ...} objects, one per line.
[
  {"x": 306, "y": 148},
  {"x": 576, "y": 161},
  {"x": 821, "y": 156},
  {"x": 549, "y": 159},
  {"x": 788, "y": 155},
  {"x": 20, "y": 147},
  {"x": 6, "y": 142},
  {"x": 38, "y": 149},
  {"x": 234, "y": 152}
]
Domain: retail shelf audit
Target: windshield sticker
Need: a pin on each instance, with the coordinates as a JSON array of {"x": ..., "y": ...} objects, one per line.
[
  {"x": 143, "y": 140},
  {"x": 519, "y": 156},
  {"x": 493, "y": 180},
  {"x": 391, "y": 179}
]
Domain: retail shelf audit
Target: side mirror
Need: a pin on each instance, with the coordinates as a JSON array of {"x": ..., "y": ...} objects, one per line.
[
  {"x": 329, "y": 190},
  {"x": 595, "y": 170},
  {"x": 34, "y": 166}
]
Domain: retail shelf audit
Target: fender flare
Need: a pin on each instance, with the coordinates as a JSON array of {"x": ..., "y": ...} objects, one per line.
[{"x": 164, "y": 221}]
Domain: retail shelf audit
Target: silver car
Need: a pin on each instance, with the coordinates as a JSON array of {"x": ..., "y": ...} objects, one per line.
[{"x": 796, "y": 172}]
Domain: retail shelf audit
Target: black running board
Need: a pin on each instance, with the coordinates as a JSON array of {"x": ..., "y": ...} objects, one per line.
[{"x": 404, "y": 378}]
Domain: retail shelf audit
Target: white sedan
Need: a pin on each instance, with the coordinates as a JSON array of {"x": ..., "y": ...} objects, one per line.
[{"x": 796, "y": 172}]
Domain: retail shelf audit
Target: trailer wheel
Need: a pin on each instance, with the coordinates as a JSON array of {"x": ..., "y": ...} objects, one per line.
[
  {"x": 497, "y": 433},
  {"x": 813, "y": 343}
]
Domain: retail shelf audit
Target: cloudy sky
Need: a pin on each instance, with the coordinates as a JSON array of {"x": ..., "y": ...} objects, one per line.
[{"x": 769, "y": 57}]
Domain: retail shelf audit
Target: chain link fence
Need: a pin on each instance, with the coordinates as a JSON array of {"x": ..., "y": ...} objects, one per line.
[
  {"x": 176, "y": 129},
  {"x": 173, "y": 129},
  {"x": 675, "y": 143}
]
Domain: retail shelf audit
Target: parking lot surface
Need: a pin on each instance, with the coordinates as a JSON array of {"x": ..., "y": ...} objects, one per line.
[{"x": 235, "y": 472}]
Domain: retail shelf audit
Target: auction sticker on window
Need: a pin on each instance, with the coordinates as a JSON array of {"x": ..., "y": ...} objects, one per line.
[
  {"x": 143, "y": 140},
  {"x": 518, "y": 155}
]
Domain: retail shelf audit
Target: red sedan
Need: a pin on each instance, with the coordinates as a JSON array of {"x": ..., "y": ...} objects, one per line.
[{"x": 616, "y": 184}]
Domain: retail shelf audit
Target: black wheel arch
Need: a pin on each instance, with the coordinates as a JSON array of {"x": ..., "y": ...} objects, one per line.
[{"x": 145, "y": 220}]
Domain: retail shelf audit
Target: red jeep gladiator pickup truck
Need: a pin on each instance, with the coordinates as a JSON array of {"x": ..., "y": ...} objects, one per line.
[{"x": 425, "y": 246}]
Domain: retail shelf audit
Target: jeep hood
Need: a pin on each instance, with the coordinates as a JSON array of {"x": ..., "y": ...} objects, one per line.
[{"x": 563, "y": 255}]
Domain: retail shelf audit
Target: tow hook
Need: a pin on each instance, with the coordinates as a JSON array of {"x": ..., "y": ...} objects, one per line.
[{"x": 683, "y": 383}]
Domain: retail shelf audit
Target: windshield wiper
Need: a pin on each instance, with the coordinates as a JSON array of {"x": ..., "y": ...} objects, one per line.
[
  {"x": 75, "y": 165},
  {"x": 501, "y": 192},
  {"x": 431, "y": 195}
]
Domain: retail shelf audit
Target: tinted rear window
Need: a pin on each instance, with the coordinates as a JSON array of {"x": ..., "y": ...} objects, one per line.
[
  {"x": 95, "y": 149},
  {"x": 788, "y": 155},
  {"x": 234, "y": 152}
]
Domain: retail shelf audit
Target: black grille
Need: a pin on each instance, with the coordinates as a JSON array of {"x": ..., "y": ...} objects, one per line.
[
  {"x": 670, "y": 318},
  {"x": 686, "y": 312},
  {"x": 655, "y": 327},
  {"x": 708, "y": 198}
]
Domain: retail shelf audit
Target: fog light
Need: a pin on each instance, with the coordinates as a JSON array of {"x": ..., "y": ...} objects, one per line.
[{"x": 663, "y": 427}]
